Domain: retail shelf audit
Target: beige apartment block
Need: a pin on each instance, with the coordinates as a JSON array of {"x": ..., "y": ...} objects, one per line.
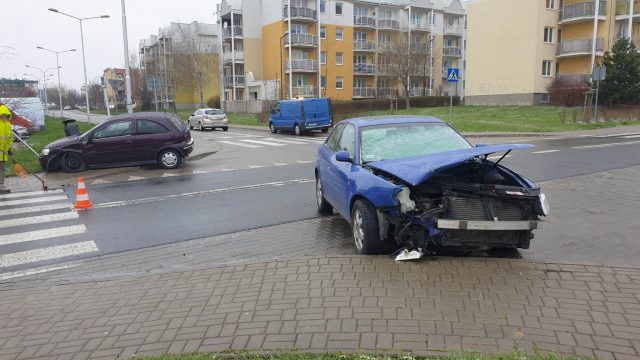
[
  {"x": 516, "y": 48},
  {"x": 280, "y": 49}
]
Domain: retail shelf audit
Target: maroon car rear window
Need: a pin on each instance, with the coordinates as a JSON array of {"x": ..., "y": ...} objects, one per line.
[
  {"x": 147, "y": 127},
  {"x": 177, "y": 123}
]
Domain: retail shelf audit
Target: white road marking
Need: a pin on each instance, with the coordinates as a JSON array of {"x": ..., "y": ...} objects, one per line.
[
  {"x": 311, "y": 140},
  {"x": 33, "y": 201},
  {"x": 262, "y": 142},
  {"x": 48, "y": 253},
  {"x": 305, "y": 161},
  {"x": 41, "y": 219},
  {"x": 606, "y": 145},
  {"x": 239, "y": 144},
  {"x": 101, "y": 181},
  {"x": 631, "y": 137},
  {"x": 22, "y": 273},
  {"x": 544, "y": 151},
  {"x": 169, "y": 174},
  {"x": 224, "y": 170},
  {"x": 619, "y": 134},
  {"x": 24, "y": 210},
  {"x": 551, "y": 138},
  {"x": 286, "y": 141},
  {"x": 256, "y": 166},
  {"x": 28, "y": 193},
  {"x": 134, "y": 178},
  {"x": 42, "y": 234},
  {"x": 198, "y": 193},
  {"x": 280, "y": 164},
  {"x": 496, "y": 157},
  {"x": 196, "y": 172}
]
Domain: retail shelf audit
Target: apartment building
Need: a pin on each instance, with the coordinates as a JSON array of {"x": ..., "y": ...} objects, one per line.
[
  {"x": 338, "y": 49},
  {"x": 517, "y": 48},
  {"x": 180, "y": 65}
]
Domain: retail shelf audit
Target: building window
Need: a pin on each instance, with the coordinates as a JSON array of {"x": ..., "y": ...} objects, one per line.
[
  {"x": 550, "y": 4},
  {"x": 339, "y": 35},
  {"x": 323, "y": 57},
  {"x": 323, "y": 6},
  {"x": 339, "y": 58},
  {"x": 546, "y": 67},
  {"x": 323, "y": 32},
  {"x": 544, "y": 98},
  {"x": 548, "y": 34},
  {"x": 339, "y": 82},
  {"x": 323, "y": 82},
  {"x": 338, "y": 8}
]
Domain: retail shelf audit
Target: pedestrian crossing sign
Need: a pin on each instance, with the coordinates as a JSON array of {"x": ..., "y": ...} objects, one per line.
[{"x": 453, "y": 74}]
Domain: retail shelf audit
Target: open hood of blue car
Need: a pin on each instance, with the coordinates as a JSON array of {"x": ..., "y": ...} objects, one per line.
[{"x": 418, "y": 169}]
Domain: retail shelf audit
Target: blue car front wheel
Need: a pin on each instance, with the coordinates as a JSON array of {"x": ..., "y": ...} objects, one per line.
[
  {"x": 366, "y": 234},
  {"x": 323, "y": 206}
]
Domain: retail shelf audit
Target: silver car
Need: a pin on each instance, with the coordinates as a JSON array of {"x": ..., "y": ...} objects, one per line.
[{"x": 202, "y": 119}]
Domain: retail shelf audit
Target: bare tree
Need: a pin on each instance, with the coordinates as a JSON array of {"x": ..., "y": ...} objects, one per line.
[
  {"x": 95, "y": 94},
  {"x": 195, "y": 62},
  {"x": 403, "y": 62}
]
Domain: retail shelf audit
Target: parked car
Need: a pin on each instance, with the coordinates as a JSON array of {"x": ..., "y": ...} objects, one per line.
[
  {"x": 123, "y": 140},
  {"x": 416, "y": 182},
  {"x": 67, "y": 107},
  {"x": 300, "y": 116},
  {"x": 202, "y": 119},
  {"x": 20, "y": 131}
]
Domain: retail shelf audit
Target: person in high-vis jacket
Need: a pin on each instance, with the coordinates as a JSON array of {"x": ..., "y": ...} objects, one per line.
[{"x": 6, "y": 143}]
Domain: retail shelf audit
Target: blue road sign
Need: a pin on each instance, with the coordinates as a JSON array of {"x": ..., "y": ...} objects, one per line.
[{"x": 453, "y": 74}]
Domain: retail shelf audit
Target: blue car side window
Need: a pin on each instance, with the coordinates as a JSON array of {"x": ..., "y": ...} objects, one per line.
[
  {"x": 348, "y": 140},
  {"x": 332, "y": 140}
]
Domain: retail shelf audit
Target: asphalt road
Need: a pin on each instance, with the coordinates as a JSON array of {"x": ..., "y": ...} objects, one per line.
[{"x": 257, "y": 185}]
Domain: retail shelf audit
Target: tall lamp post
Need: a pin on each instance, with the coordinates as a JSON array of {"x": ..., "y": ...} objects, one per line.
[
  {"x": 44, "y": 79},
  {"x": 84, "y": 60},
  {"x": 58, "y": 66}
]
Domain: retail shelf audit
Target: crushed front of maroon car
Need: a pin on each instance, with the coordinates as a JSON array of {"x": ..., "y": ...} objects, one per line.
[{"x": 460, "y": 198}]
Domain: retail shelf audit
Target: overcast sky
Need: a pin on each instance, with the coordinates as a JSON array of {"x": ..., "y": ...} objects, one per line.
[{"x": 26, "y": 24}]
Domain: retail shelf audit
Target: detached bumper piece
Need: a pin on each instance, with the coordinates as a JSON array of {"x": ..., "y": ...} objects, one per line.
[{"x": 488, "y": 225}]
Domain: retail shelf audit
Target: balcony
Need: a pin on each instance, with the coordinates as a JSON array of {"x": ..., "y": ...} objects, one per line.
[
  {"x": 385, "y": 47},
  {"x": 304, "y": 65},
  {"x": 238, "y": 55},
  {"x": 579, "y": 47},
  {"x": 364, "y": 45},
  {"x": 364, "y": 69},
  {"x": 302, "y": 40},
  {"x": 574, "y": 77},
  {"x": 420, "y": 47},
  {"x": 300, "y": 14},
  {"x": 237, "y": 32},
  {"x": 304, "y": 91},
  {"x": 452, "y": 51},
  {"x": 622, "y": 10},
  {"x": 364, "y": 92},
  {"x": 420, "y": 26},
  {"x": 418, "y": 91},
  {"x": 387, "y": 92},
  {"x": 580, "y": 12},
  {"x": 228, "y": 80},
  {"x": 387, "y": 70},
  {"x": 390, "y": 24},
  {"x": 455, "y": 30},
  {"x": 364, "y": 22}
]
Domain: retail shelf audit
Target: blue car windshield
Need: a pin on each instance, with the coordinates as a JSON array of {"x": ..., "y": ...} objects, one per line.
[{"x": 395, "y": 141}]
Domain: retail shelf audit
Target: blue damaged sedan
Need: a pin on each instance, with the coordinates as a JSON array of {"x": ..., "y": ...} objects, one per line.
[{"x": 415, "y": 182}]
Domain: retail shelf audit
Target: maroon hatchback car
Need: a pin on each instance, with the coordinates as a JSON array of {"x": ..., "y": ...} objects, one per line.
[{"x": 123, "y": 140}]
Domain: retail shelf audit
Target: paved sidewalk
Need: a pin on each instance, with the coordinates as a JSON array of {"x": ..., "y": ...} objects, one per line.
[{"x": 335, "y": 303}]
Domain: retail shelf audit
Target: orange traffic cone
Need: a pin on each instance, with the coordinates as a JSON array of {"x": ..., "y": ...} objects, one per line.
[{"x": 82, "y": 197}]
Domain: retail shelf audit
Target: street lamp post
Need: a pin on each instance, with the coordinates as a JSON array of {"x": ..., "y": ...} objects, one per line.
[
  {"x": 127, "y": 77},
  {"x": 84, "y": 60},
  {"x": 43, "y": 83},
  {"x": 58, "y": 66},
  {"x": 44, "y": 79}
]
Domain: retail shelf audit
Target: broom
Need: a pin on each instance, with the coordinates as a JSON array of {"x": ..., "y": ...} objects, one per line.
[{"x": 22, "y": 172}]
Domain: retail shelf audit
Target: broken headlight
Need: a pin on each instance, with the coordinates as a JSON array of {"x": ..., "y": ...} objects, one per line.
[{"x": 404, "y": 198}]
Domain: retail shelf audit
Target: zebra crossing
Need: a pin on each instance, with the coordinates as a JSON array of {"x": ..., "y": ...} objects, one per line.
[
  {"x": 38, "y": 228},
  {"x": 248, "y": 141}
]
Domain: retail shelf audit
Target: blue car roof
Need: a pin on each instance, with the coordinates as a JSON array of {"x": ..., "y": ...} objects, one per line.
[{"x": 392, "y": 119}]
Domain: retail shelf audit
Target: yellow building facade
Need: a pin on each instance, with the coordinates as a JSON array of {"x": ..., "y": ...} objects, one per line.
[
  {"x": 517, "y": 48},
  {"x": 315, "y": 48}
]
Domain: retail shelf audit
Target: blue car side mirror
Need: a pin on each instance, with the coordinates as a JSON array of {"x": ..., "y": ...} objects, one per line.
[
  {"x": 481, "y": 145},
  {"x": 343, "y": 156}
]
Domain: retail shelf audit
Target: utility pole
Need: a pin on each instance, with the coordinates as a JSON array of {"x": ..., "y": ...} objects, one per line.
[{"x": 127, "y": 76}]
